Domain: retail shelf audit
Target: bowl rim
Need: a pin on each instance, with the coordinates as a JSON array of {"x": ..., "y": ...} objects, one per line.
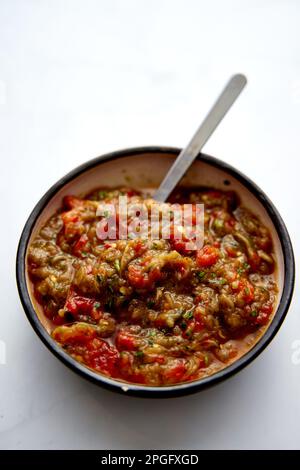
[{"x": 143, "y": 390}]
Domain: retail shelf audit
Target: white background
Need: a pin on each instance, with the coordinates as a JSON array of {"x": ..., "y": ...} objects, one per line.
[{"x": 81, "y": 78}]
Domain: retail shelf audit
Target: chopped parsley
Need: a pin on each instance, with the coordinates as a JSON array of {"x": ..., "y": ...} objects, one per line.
[
  {"x": 152, "y": 333},
  {"x": 117, "y": 265},
  {"x": 139, "y": 354},
  {"x": 188, "y": 315},
  {"x": 243, "y": 268},
  {"x": 155, "y": 245},
  {"x": 200, "y": 275},
  {"x": 102, "y": 194},
  {"x": 220, "y": 281}
]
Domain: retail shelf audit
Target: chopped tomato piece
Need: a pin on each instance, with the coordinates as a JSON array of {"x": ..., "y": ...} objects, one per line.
[
  {"x": 141, "y": 279},
  {"x": 229, "y": 224},
  {"x": 125, "y": 341},
  {"x": 179, "y": 245},
  {"x": 231, "y": 250},
  {"x": 244, "y": 287},
  {"x": 71, "y": 202},
  {"x": 81, "y": 340},
  {"x": 139, "y": 247},
  {"x": 178, "y": 239},
  {"x": 131, "y": 192},
  {"x": 70, "y": 217},
  {"x": 79, "y": 305},
  {"x": 254, "y": 261},
  {"x": 264, "y": 314},
  {"x": 127, "y": 370},
  {"x": 175, "y": 372},
  {"x": 76, "y": 303},
  {"x": 158, "y": 358},
  {"x": 80, "y": 245},
  {"x": 102, "y": 357},
  {"x": 207, "y": 256}
]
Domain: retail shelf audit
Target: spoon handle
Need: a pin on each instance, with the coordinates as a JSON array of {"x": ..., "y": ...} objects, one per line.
[{"x": 188, "y": 155}]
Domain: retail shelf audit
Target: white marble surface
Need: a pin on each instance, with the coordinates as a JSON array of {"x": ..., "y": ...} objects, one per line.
[{"x": 80, "y": 78}]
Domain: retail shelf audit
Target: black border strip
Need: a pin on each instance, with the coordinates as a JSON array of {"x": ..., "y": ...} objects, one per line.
[
  {"x": 137, "y": 458},
  {"x": 140, "y": 390}
]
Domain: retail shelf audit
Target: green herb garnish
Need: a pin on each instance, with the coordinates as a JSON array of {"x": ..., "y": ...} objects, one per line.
[
  {"x": 102, "y": 194},
  {"x": 245, "y": 267},
  {"x": 139, "y": 354},
  {"x": 188, "y": 315},
  {"x": 117, "y": 265},
  {"x": 155, "y": 245},
  {"x": 200, "y": 275}
]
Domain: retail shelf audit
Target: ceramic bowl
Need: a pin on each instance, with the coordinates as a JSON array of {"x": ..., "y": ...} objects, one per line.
[{"x": 141, "y": 168}]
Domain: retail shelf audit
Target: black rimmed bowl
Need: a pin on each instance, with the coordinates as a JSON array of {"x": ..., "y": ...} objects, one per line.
[{"x": 141, "y": 168}]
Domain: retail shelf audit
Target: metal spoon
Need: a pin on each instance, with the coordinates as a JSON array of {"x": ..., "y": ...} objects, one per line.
[{"x": 188, "y": 155}]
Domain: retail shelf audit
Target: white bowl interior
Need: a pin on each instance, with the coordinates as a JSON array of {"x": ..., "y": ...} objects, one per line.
[{"x": 147, "y": 170}]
